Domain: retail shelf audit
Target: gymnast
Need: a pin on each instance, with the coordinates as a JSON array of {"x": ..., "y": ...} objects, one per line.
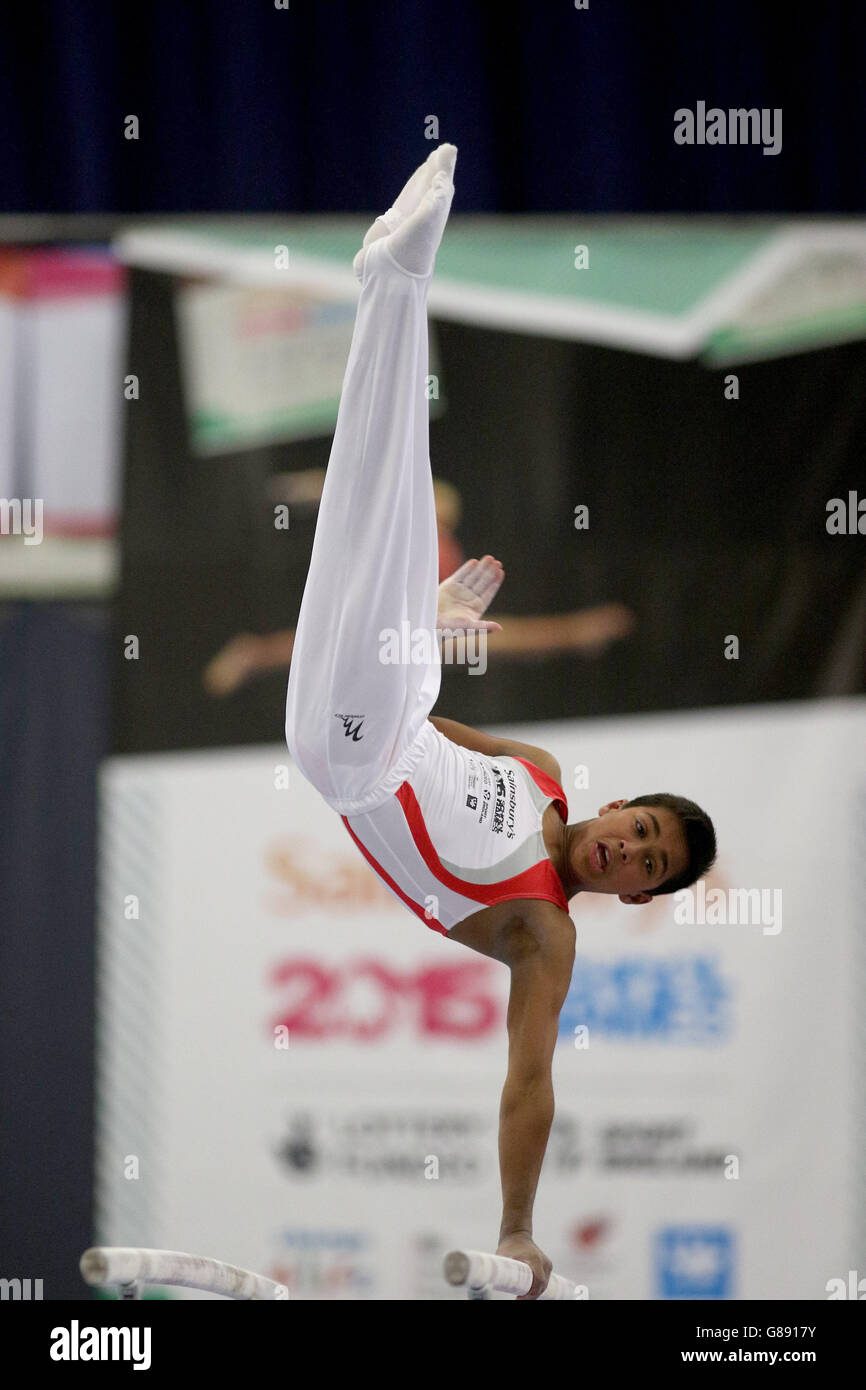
[{"x": 469, "y": 831}]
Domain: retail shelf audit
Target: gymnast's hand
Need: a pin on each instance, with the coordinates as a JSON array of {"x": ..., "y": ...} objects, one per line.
[
  {"x": 521, "y": 1247},
  {"x": 467, "y": 594}
]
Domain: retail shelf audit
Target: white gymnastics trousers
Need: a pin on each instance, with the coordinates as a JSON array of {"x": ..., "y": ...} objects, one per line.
[{"x": 354, "y": 720}]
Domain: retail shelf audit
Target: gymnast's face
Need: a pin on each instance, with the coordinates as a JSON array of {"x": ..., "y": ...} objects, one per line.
[{"x": 628, "y": 851}]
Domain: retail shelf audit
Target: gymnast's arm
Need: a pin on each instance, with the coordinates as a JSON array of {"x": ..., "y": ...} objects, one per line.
[
  {"x": 540, "y": 955},
  {"x": 497, "y": 747}
]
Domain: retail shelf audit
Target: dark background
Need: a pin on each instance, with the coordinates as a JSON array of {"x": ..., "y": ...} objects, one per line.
[
  {"x": 245, "y": 108},
  {"x": 707, "y": 517}
]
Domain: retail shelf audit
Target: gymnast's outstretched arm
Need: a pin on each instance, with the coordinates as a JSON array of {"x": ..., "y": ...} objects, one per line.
[{"x": 541, "y": 962}]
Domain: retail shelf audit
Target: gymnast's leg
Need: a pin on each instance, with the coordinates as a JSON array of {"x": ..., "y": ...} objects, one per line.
[{"x": 351, "y": 718}]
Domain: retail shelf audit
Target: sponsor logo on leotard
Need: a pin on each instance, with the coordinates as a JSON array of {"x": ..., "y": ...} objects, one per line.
[
  {"x": 501, "y": 817},
  {"x": 497, "y": 794},
  {"x": 352, "y": 725}
]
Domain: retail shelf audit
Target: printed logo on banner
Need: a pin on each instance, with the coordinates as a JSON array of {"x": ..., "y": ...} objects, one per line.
[
  {"x": 682, "y": 999},
  {"x": 369, "y": 1000},
  {"x": 298, "y": 1150},
  {"x": 305, "y": 875},
  {"x": 389, "y": 1146},
  {"x": 694, "y": 1262},
  {"x": 659, "y": 1146},
  {"x": 589, "y": 1244},
  {"x": 587, "y": 1252},
  {"x": 325, "y": 1264},
  {"x": 564, "y": 1153},
  {"x": 589, "y": 1236}
]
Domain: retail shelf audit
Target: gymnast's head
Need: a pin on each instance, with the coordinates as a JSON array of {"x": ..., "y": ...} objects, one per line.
[{"x": 642, "y": 848}]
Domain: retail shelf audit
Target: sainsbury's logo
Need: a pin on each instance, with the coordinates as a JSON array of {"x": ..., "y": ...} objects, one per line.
[{"x": 303, "y": 875}]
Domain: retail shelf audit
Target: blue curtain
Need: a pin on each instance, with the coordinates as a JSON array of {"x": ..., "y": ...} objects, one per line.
[
  {"x": 53, "y": 733},
  {"x": 321, "y": 106}
]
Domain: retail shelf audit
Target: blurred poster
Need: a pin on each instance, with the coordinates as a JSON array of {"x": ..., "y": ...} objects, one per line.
[
  {"x": 72, "y": 343},
  {"x": 260, "y": 366},
  {"x": 62, "y": 321},
  {"x": 814, "y": 296},
  {"x": 11, "y": 277},
  {"x": 299, "y": 1077}
]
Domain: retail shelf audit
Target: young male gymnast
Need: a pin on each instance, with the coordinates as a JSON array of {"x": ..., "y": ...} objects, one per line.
[{"x": 468, "y": 830}]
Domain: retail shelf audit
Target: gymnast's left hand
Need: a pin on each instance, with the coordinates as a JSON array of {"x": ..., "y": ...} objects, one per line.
[
  {"x": 467, "y": 594},
  {"x": 522, "y": 1247}
]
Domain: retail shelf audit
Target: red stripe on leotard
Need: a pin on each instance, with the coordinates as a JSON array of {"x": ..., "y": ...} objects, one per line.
[
  {"x": 541, "y": 881},
  {"x": 377, "y": 867},
  {"x": 548, "y": 785}
]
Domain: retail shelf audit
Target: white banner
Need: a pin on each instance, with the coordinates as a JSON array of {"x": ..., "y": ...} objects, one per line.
[
  {"x": 261, "y": 366},
  {"x": 299, "y": 1077}
]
